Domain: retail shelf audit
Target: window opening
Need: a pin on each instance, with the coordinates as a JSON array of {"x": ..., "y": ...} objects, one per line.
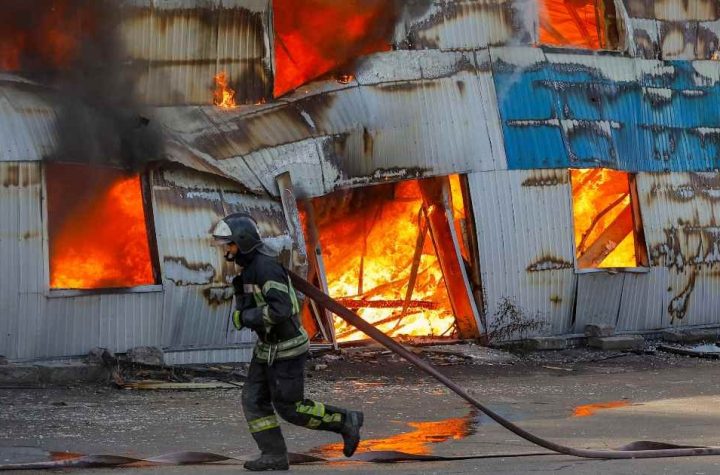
[
  {"x": 97, "y": 228},
  {"x": 587, "y": 24},
  {"x": 316, "y": 37},
  {"x": 380, "y": 260},
  {"x": 607, "y": 228}
]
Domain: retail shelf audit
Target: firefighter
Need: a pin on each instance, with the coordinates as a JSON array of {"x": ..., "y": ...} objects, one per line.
[{"x": 267, "y": 304}]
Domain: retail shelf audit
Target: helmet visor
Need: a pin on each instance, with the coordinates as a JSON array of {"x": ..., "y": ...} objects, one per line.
[{"x": 222, "y": 234}]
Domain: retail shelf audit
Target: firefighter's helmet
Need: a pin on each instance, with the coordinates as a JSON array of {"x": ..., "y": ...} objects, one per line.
[{"x": 241, "y": 229}]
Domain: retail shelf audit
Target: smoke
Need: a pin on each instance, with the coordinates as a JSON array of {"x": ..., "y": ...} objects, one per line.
[{"x": 73, "y": 46}]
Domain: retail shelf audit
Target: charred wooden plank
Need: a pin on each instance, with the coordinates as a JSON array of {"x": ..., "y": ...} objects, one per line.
[{"x": 435, "y": 193}]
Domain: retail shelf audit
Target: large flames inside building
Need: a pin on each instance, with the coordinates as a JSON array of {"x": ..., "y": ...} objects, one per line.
[
  {"x": 97, "y": 229},
  {"x": 380, "y": 259}
]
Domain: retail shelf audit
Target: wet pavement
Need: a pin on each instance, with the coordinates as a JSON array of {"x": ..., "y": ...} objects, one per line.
[{"x": 580, "y": 398}]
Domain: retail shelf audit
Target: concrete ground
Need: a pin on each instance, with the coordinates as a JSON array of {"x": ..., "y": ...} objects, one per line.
[{"x": 649, "y": 397}]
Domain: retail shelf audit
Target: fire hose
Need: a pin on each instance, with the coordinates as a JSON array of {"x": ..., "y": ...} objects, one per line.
[{"x": 635, "y": 450}]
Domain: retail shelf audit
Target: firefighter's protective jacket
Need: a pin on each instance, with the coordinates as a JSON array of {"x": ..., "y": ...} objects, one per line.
[{"x": 268, "y": 305}]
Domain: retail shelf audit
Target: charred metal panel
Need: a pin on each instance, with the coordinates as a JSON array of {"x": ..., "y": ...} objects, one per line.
[
  {"x": 686, "y": 10},
  {"x": 407, "y": 115},
  {"x": 178, "y": 47},
  {"x": 678, "y": 39},
  {"x": 196, "y": 276},
  {"x": 644, "y": 301},
  {"x": 467, "y": 24},
  {"x": 524, "y": 230},
  {"x": 640, "y": 8},
  {"x": 587, "y": 111},
  {"x": 645, "y": 38},
  {"x": 20, "y": 243},
  {"x": 680, "y": 213},
  {"x": 708, "y": 44},
  {"x": 598, "y": 299},
  {"x": 27, "y": 120},
  {"x": 674, "y": 10}
]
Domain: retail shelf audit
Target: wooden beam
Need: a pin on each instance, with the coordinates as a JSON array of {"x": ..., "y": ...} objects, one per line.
[
  {"x": 473, "y": 250},
  {"x": 419, "y": 244},
  {"x": 582, "y": 247},
  {"x": 436, "y": 198},
  {"x": 615, "y": 232},
  {"x": 641, "y": 254},
  {"x": 316, "y": 261},
  {"x": 298, "y": 254},
  {"x": 298, "y": 259}
]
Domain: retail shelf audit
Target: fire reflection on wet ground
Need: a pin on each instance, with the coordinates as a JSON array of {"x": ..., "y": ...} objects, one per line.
[
  {"x": 590, "y": 409},
  {"x": 418, "y": 441}
]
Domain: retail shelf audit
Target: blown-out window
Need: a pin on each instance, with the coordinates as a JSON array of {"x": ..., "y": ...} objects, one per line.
[
  {"x": 608, "y": 227},
  {"x": 97, "y": 228},
  {"x": 587, "y": 24}
]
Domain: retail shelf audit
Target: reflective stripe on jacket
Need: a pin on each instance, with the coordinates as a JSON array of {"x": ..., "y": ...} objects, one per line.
[{"x": 283, "y": 336}]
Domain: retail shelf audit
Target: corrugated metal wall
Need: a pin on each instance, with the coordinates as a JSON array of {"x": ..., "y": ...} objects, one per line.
[
  {"x": 680, "y": 216},
  {"x": 525, "y": 242},
  {"x": 563, "y": 110},
  {"x": 180, "y": 46},
  {"x": 466, "y": 24},
  {"x": 197, "y": 298},
  {"x": 674, "y": 29},
  {"x": 525, "y": 237},
  {"x": 408, "y": 114},
  {"x": 27, "y": 120},
  {"x": 189, "y": 310}
]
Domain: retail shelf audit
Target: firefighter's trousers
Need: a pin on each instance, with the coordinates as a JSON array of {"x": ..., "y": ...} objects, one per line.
[{"x": 282, "y": 386}]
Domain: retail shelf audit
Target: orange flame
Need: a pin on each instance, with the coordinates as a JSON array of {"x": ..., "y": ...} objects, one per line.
[
  {"x": 458, "y": 208},
  {"x": 369, "y": 245},
  {"x": 417, "y": 441},
  {"x": 576, "y": 23},
  {"x": 223, "y": 96},
  {"x": 315, "y": 37},
  {"x": 590, "y": 409},
  {"x": 604, "y": 233},
  {"x": 98, "y": 236}
]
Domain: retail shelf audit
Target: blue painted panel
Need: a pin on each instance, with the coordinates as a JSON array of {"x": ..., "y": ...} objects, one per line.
[{"x": 558, "y": 115}]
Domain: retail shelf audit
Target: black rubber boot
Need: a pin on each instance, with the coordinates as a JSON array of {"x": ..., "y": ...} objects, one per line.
[
  {"x": 267, "y": 462},
  {"x": 351, "y": 432}
]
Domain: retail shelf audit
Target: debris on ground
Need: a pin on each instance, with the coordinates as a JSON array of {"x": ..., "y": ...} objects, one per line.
[
  {"x": 469, "y": 353},
  {"x": 704, "y": 350},
  {"x": 439, "y": 355},
  {"x": 146, "y": 354},
  {"x": 144, "y": 369},
  {"x": 151, "y": 385}
]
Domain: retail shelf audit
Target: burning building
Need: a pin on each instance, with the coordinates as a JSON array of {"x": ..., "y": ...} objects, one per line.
[{"x": 425, "y": 162}]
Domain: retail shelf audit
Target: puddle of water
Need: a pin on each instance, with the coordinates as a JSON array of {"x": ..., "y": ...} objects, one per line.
[
  {"x": 590, "y": 409},
  {"x": 417, "y": 441}
]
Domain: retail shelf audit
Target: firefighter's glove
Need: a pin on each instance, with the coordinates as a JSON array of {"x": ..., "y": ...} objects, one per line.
[{"x": 253, "y": 318}]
